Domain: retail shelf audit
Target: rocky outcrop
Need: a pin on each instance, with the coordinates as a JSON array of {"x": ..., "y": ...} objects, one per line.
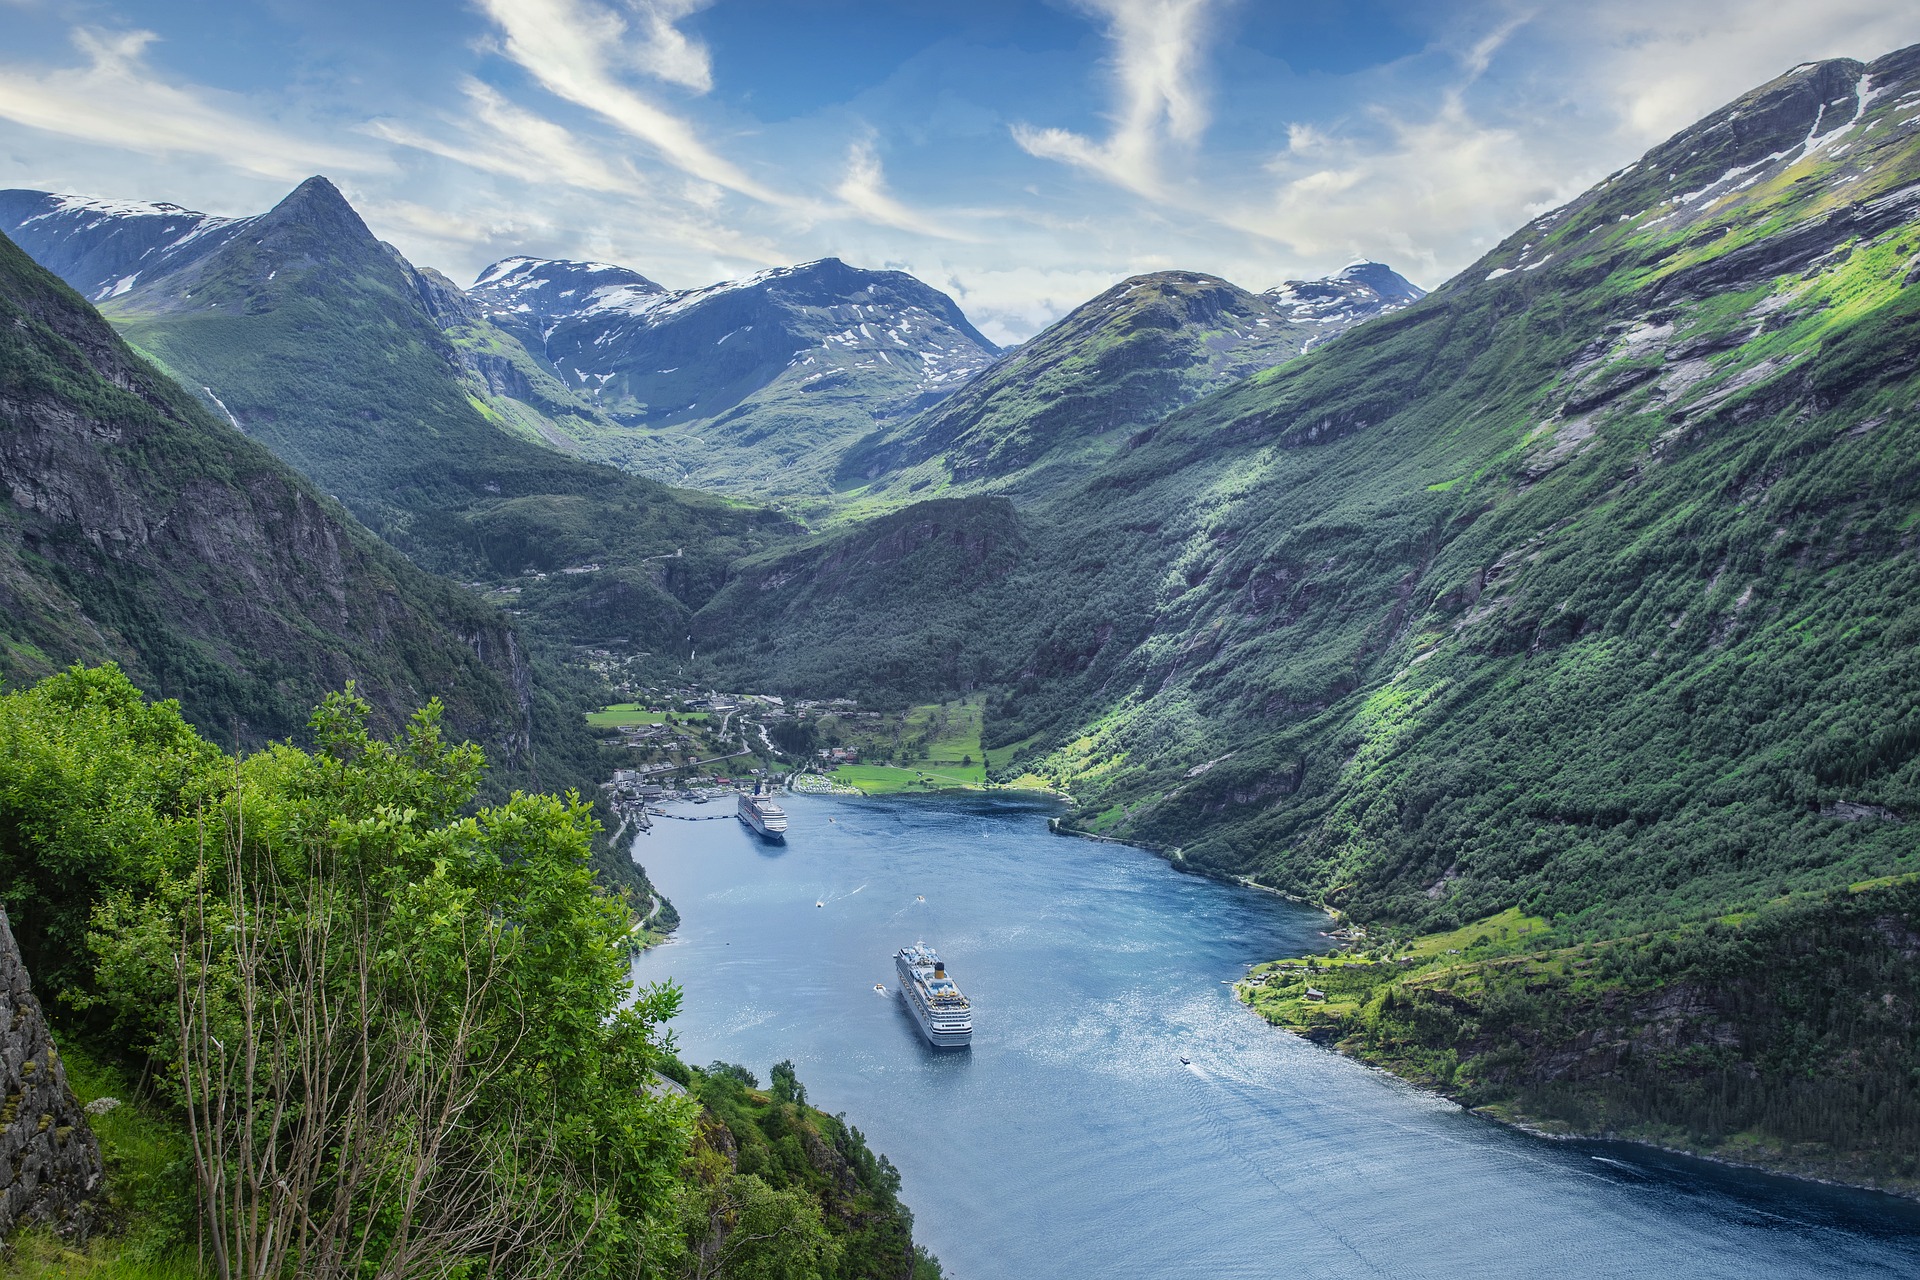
[{"x": 50, "y": 1167}]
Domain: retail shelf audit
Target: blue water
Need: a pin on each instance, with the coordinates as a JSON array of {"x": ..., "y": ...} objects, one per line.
[{"x": 1071, "y": 1142}]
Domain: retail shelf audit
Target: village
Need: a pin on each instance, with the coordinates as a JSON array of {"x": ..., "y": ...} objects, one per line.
[{"x": 684, "y": 742}]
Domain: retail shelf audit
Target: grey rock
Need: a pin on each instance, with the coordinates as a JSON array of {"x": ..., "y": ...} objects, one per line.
[{"x": 50, "y": 1169}]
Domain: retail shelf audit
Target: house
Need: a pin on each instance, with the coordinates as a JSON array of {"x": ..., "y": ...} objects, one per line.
[{"x": 1315, "y": 993}]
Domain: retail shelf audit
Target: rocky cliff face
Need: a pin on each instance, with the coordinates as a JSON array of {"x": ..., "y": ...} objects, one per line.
[
  {"x": 50, "y": 1166},
  {"x": 140, "y": 528}
]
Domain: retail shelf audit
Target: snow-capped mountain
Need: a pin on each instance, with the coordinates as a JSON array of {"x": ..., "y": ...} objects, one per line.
[
  {"x": 103, "y": 248},
  {"x": 654, "y": 356},
  {"x": 1358, "y": 291},
  {"x": 753, "y": 385},
  {"x": 543, "y": 290}
]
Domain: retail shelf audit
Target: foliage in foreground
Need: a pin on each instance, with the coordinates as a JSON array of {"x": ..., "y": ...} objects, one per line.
[{"x": 383, "y": 1032}]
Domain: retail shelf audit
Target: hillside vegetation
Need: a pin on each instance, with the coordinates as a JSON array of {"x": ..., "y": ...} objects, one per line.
[
  {"x": 1585, "y": 586},
  {"x": 328, "y": 348},
  {"x": 371, "y": 1027}
]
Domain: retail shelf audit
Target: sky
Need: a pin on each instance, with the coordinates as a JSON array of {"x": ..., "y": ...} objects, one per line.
[{"x": 1022, "y": 155}]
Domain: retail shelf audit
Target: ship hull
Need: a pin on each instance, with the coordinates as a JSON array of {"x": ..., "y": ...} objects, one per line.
[
  {"x": 749, "y": 813},
  {"x": 941, "y": 1033},
  {"x": 759, "y": 828}
]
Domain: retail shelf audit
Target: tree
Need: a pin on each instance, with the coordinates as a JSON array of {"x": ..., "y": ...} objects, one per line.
[{"x": 403, "y": 1039}]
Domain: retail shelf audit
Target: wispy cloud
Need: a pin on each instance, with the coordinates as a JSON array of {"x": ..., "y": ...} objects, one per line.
[
  {"x": 1158, "y": 47},
  {"x": 577, "y": 49},
  {"x": 668, "y": 53},
  {"x": 864, "y": 189},
  {"x": 117, "y": 100},
  {"x": 505, "y": 139}
]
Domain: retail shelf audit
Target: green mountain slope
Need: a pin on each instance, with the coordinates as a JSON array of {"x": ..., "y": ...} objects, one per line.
[
  {"x": 1579, "y": 586},
  {"x": 1052, "y": 410},
  {"x": 142, "y": 530},
  {"x": 324, "y": 345},
  {"x": 1583, "y": 590},
  {"x": 1582, "y": 585}
]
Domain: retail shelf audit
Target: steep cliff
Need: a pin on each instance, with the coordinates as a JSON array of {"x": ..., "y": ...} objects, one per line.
[
  {"x": 50, "y": 1166},
  {"x": 142, "y": 529}
]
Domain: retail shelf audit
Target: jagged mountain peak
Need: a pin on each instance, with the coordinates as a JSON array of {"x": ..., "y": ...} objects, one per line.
[
  {"x": 1382, "y": 279},
  {"x": 1358, "y": 291},
  {"x": 316, "y": 202}
]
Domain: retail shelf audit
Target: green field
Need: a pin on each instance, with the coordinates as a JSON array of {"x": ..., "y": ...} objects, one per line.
[
  {"x": 625, "y": 713},
  {"x": 936, "y": 745},
  {"x": 886, "y": 779}
]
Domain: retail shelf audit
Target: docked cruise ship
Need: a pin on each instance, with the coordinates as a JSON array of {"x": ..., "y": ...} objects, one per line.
[
  {"x": 763, "y": 815},
  {"x": 945, "y": 1016}
]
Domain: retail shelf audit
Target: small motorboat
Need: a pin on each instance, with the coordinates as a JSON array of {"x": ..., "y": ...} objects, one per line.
[
  {"x": 1185, "y": 1061},
  {"x": 881, "y": 987},
  {"x": 819, "y": 904}
]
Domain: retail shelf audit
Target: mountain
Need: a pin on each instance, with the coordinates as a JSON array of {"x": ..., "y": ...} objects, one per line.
[
  {"x": 140, "y": 529},
  {"x": 103, "y": 247},
  {"x": 1145, "y": 347},
  {"x": 1358, "y": 291},
  {"x": 384, "y": 384},
  {"x": 751, "y": 386},
  {"x": 1582, "y": 589}
]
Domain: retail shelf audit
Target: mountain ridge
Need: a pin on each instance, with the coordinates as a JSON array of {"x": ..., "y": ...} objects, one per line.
[{"x": 1066, "y": 399}]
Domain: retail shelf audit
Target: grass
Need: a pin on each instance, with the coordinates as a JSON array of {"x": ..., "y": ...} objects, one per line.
[
  {"x": 948, "y": 754},
  {"x": 149, "y": 1187},
  {"x": 887, "y": 779},
  {"x": 626, "y": 713},
  {"x": 1503, "y": 929},
  {"x": 1349, "y": 981}
]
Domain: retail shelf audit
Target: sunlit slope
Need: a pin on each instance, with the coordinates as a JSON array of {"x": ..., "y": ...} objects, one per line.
[
  {"x": 1048, "y": 413},
  {"x": 1585, "y": 584}
]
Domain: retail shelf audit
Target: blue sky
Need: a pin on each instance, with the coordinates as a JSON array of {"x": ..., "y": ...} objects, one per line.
[{"x": 1021, "y": 154}]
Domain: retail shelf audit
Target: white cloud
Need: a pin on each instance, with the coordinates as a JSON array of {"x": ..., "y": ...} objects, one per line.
[
  {"x": 1659, "y": 65},
  {"x": 504, "y": 139},
  {"x": 1157, "y": 55},
  {"x": 116, "y": 100},
  {"x": 864, "y": 189},
  {"x": 574, "y": 49},
  {"x": 666, "y": 52}
]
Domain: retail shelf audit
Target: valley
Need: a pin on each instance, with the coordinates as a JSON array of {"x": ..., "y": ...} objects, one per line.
[{"x": 1551, "y": 631}]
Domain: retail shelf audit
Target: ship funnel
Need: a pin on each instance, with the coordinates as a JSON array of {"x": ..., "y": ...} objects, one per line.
[{"x": 939, "y": 971}]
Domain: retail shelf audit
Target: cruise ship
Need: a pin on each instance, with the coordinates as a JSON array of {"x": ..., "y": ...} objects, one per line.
[
  {"x": 763, "y": 815},
  {"x": 945, "y": 1016}
]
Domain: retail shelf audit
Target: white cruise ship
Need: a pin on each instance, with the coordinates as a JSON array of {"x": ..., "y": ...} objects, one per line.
[
  {"x": 944, "y": 1015},
  {"x": 763, "y": 815}
]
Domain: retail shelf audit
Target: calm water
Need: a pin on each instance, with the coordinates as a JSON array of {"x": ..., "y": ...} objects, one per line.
[{"x": 1071, "y": 1142}]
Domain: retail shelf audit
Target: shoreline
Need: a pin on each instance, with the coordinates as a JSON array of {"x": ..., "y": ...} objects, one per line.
[{"x": 1532, "y": 1129}]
